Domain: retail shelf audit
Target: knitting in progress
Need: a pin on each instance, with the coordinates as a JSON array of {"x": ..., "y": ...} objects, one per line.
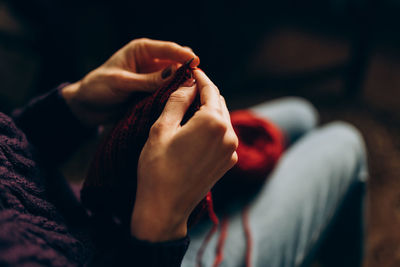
[{"x": 113, "y": 172}]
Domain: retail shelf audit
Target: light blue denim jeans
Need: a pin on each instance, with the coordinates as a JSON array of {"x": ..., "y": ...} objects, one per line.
[{"x": 312, "y": 203}]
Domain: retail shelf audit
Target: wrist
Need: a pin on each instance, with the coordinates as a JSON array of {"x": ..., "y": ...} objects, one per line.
[
  {"x": 69, "y": 94},
  {"x": 157, "y": 226}
]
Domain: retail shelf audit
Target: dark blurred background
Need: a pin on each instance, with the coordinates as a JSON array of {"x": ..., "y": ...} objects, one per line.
[{"x": 343, "y": 55}]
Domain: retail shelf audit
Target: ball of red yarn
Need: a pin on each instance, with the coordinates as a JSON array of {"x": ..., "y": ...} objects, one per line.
[{"x": 261, "y": 144}]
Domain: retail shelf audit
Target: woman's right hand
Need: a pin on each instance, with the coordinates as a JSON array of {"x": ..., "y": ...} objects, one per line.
[{"x": 179, "y": 164}]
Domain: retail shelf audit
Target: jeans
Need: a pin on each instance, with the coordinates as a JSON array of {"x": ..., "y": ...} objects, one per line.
[{"x": 312, "y": 201}]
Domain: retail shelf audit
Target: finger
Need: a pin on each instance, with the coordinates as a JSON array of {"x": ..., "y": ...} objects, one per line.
[
  {"x": 177, "y": 105},
  {"x": 209, "y": 93},
  {"x": 146, "y": 82},
  {"x": 169, "y": 51},
  {"x": 189, "y": 48},
  {"x": 156, "y": 65}
]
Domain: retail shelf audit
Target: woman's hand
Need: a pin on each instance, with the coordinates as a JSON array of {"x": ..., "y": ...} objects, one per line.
[
  {"x": 179, "y": 164},
  {"x": 141, "y": 65}
]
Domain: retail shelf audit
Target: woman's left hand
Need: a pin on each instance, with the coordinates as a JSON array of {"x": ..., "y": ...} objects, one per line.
[{"x": 142, "y": 65}]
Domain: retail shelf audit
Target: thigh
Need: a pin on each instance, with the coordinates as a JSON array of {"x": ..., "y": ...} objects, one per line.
[
  {"x": 297, "y": 202},
  {"x": 294, "y": 115}
]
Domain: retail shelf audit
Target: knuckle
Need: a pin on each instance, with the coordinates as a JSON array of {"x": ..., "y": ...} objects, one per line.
[
  {"x": 216, "y": 125},
  {"x": 112, "y": 73},
  {"x": 140, "y": 43},
  {"x": 112, "y": 76},
  {"x": 172, "y": 44},
  {"x": 134, "y": 42},
  {"x": 188, "y": 48},
  {"x": 142, "y": 40},
  {"x": 234, "y": 159},
  {"x": 232, "y": 143},
  {"x": 156, "y": 129}
]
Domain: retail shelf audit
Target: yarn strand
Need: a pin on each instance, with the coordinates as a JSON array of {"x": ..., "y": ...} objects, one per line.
[{"x": 249, "y": 238}]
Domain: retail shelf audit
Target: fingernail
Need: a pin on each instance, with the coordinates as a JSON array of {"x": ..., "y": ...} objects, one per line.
[{"x": 166, "y": 72}]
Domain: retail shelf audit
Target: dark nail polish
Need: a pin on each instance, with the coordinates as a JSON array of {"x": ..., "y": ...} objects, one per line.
[{"x": 166, "y": 72}]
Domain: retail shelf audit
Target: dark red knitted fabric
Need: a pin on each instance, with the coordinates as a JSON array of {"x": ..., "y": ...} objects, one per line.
[{"x": 110, "y": 187}]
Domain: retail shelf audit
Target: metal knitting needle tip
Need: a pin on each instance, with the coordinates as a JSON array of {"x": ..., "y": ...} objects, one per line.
[{"x": 187, "y": 63}]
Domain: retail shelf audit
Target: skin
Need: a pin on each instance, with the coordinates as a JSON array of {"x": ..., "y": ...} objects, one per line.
[
  {"x": 178, "y": 164},
  {"x": 103, "y": 93}
]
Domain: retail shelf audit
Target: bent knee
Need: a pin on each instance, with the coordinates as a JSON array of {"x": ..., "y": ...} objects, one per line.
[
  {"x": 345, "y": 133},
  {"x": 303, "y": 110},
  {"x": 349, "y": 140}
]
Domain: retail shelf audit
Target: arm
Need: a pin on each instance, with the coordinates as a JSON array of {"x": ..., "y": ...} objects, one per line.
[
  {"x": 76, "y": 109},
  {"x": 59, "y": 121},
  {"x": 200, "y": 151}
]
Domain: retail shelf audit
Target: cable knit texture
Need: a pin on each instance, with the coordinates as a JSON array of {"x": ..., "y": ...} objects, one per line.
[
  {"x": 32, "y": 231},
  {"x": 35, "y": 230}
]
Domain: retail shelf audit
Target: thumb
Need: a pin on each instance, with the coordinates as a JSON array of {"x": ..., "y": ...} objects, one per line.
[
  {"x": 177, "y": 105},
  {"x": 148, "y": 82}
]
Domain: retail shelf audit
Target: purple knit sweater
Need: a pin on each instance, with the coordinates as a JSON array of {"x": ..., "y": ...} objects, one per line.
[{"x": 41, "y": 222}]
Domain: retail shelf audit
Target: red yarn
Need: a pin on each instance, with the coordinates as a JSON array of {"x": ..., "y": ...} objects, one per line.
[
  {"x": 219, "y": 252},
  {"x": 204, "y": 244},
  {"x": 114, "y": 168},
  {"x": 249, "y": 238},
  {"x": 261, "y": 144}
]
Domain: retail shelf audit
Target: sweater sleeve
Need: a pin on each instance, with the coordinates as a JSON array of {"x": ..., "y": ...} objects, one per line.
[
  {"x": 116, "y": 247},
  {"x": 168, "y": 254},
  {"x": 50, "y": 125},
  {"x": 138, "y": 253}
]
